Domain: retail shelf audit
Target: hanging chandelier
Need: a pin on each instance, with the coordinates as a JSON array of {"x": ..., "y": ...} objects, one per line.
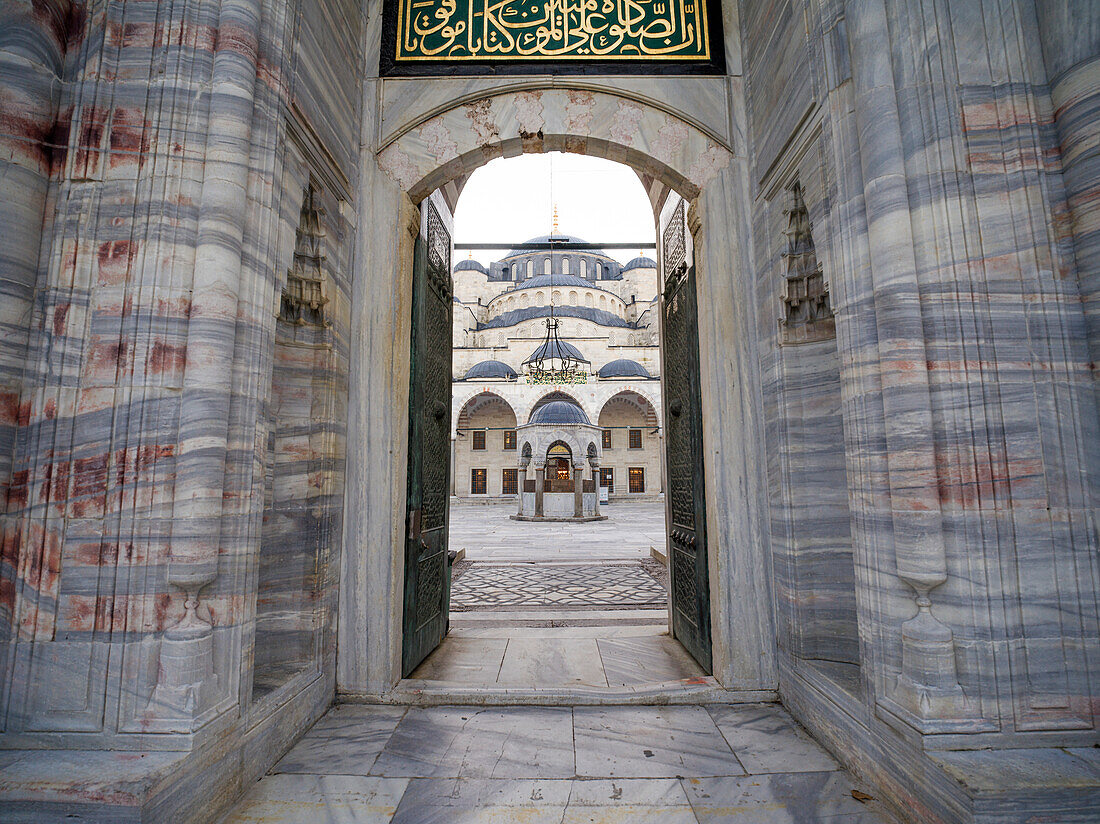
[{"x": 556, "y": 362}]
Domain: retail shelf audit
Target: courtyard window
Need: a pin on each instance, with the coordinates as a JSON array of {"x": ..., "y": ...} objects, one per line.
[
  {"x": 636, "y": 476},
  {"x": 477, "y": 481},
  {"x": 509, "y": 481},
  {"x": 509, "y": 439},
  {"x": 635, "y": 439},
  {"x": 479, "y": 439},
  {"x": 607, "y": 439},
  {"x": 607, "y": 478}
]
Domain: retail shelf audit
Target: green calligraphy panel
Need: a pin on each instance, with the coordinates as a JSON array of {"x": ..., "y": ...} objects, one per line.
[{"x": 550, "y": 31}]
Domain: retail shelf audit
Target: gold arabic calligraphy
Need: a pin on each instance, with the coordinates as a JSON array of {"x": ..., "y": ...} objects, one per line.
[{"x": 554, "y": 29}]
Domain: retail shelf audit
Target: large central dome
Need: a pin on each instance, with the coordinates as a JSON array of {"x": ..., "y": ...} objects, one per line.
[{"x": 555, "y": 238}]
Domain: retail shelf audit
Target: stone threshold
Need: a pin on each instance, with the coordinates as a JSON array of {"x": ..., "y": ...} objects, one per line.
[{"x": 421, "y": 693}]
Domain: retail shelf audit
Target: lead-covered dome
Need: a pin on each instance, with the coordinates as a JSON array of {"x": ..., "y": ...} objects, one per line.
[
  {"x": 555, "y": 239},
  {"x": 559, "y": 412},
  {"x": 471, "y": 265},
  {"x": 555, "y": 280},
  {"x": 490, "y": 369},
  {"x": 640, "y": 263},
  {"x": 623, "y": 368}
]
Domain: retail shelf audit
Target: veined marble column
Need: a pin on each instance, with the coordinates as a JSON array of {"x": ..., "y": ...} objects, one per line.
[
  {"x": 540, "y": 476},
  {"x": 927, "y": 686},
  {"x": 578, "y": 490},
  {"x": 596, "y": 486},
  {"x": 521, "y": 482},
  {"x": 186, "y": 678}
]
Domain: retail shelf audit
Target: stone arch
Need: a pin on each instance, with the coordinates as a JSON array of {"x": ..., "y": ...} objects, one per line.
[
  {"x": 635, "y": 399},
  {"x": 573, "y": 298},
  {"x": 448, "y": 145},
  {"x": 475, "y": 402}
]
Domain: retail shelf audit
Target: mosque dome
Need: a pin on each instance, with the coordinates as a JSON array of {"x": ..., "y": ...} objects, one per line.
[
  {"x": 470, "y": 265},
  {"x": 640, "y": 263},
  {"x": 489, "y": 369},
  {"x": 546, "y": 281},
  {"x": 623, "y": 368},
  {"x": 557, "y": 349},
  {"x": 555, "y": 238},
  {"x": 559, "y": 412}
]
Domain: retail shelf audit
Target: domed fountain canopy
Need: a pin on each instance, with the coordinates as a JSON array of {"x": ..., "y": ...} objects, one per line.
[
  {"x": 490, "y": 369},
  {"x": 559, "y": 412},
  {"x": 623, "y": 368}
]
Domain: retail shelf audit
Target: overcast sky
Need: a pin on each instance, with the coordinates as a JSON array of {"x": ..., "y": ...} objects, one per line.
[{"x": 510, "y": 200}]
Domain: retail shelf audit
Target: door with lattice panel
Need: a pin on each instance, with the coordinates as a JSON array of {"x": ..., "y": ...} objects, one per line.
[
  {"x": 689, "y": 580},
  {"x": 427, "y": 573}
]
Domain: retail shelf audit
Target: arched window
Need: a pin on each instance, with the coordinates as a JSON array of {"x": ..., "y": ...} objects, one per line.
[
  {"x": 584, "y": 268},
  {"x": 546, "y": 266},
  {"x": 588, "y": 299},
  {"x": 540, "y": 298},
  {"x": 555, "y": 298},
  {"x": 530, "y": 268},
  {"x": 565, "y": 266},
  {"x": 506, "y": 273},
  {"x": 573, "y": 298}
]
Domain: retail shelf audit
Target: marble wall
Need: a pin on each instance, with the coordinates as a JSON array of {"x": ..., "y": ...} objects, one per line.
[{"x": 163, "y": 151}]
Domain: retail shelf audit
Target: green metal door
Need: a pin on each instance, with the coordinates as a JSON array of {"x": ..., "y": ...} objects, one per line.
[
  {"x": 689, "y": 582},
  {"x": 427, "y": 572}
]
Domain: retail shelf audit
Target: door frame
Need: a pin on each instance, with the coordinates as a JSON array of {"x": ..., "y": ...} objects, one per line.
[{"x": 744, "y": 655}]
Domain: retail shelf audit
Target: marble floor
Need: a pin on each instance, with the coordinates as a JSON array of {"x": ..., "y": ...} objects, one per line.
[
  {"x": 556, "y": 658},
  {"x": 742, "y": 764},
  {"x": 487, "y": 533}
]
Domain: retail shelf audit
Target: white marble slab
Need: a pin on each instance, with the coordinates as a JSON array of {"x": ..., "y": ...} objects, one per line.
[
  {"x": 333, "y": 799},
  {"x": 799, "y": 798},
  {"x": 468, "y": 742},
  {"x": 468, "y": 800},
  {"x": 650, "y": 742},
  {"x": 552, "y": 662},
  {"x": 628, "y": 801},
  {"x": 346, "y": 741},
  {"x": 767, "y": 740},
  {"x": 464, "y": 659}
]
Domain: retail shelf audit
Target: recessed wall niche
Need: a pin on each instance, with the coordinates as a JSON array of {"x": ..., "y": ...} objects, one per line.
[
  {"x": 815, "y": 568},
  {"x": 300, "y": 455}
]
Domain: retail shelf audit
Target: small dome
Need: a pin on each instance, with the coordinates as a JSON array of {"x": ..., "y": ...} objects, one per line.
[
  {"x": 471, "y": 265},
  {"x": 557, "y": 349},
  {"x": 554, "y": 280},
  {"x": 623, "y": 368},
  {"x": 489, "y": 369},
  {"x": 558, "y": 412},
  {"x": 640, "y": 263}
]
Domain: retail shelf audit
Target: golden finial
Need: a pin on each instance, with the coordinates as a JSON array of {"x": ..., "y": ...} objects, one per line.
[{"x": 555, "y": 218}]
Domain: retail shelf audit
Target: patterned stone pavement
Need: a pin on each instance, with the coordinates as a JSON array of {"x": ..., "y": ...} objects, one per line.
[
  {"x": 741, "y": 764},
  {"x": 519, "y": 586}
]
